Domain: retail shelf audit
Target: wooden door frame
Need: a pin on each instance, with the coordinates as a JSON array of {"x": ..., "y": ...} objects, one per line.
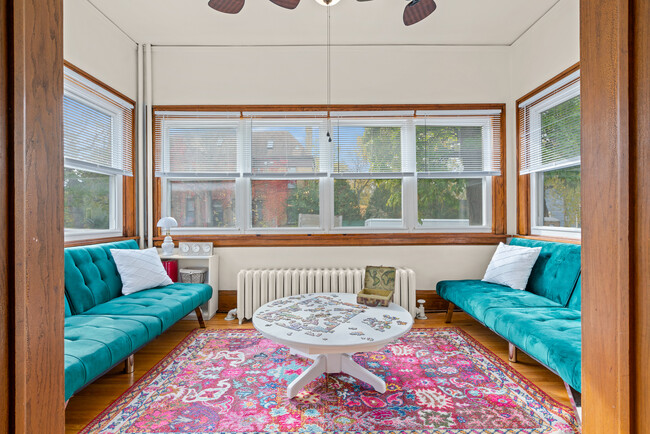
[
  {"x": 31, "y": 217},
  {"x": 616, "y": 222}
]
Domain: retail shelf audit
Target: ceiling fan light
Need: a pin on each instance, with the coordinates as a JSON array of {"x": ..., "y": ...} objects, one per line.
[{"x": 327, "y": 2}]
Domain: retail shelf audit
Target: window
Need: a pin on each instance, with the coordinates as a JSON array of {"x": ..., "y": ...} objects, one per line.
[
  {"x": 98, "y": 152},
  {"x": 329, "y": 172},
  {"x": 549, "y": 146}
]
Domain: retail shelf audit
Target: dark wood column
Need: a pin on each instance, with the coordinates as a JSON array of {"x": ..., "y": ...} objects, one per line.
[
  {"x": 31, "y": 217},
  {"x": 616, "y": 215}
]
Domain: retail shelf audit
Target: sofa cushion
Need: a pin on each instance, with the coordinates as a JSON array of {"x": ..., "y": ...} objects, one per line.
[
  {"x": 575, "y": 301},
  {"x": 75, "y": 375},
  {"x": 556, "y": 271},
  {"x": 169, "y": 304},
  {"x": 552, "y": 336},
  {"x": 97, "y": 343},
  {"x": 477, "y": 297},
  {"x": 91, "y": 277}
]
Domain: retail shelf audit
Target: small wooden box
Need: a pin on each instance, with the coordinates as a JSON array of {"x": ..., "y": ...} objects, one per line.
[{"x": 375, "y": 297}]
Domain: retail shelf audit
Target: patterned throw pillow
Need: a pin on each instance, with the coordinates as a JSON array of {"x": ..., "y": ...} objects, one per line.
[
  {"x": 380, "y": 278},
  {"x": 140, "y": 269},
  {"x": 511, "y": 265}
]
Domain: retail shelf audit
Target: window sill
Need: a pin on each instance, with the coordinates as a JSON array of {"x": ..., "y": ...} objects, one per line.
[
  {"x": 88, "y": 242},
  {"x": 556, "y": 239},
  {"x": 357, "y": 239}
]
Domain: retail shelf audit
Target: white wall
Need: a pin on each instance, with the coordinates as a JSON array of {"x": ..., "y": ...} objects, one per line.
[
  {"x": 360, "y": 75},
  {"x": 431, "y": 263},
  {"x": 92, "y": 43}
]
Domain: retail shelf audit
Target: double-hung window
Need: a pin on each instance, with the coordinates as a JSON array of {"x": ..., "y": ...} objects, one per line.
[
  {"x": 457, "y": 154},
  {"x": 98, "y": 154},
  {"x": 198, "y": 158},
  {"x": 370, "y": 160},
  {"x": 284, "y": 168},
  {"x": 330, "y": 172},
  {"x": 549, "y": 145}
]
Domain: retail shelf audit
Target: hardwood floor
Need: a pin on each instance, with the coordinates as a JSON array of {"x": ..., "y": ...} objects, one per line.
[{"x": 83, "y": 407}]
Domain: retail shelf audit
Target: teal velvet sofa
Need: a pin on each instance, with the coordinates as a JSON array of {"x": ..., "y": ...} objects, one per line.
[
  {"x": 543, "y": 320},
  {"x": 104, "y": 327}
]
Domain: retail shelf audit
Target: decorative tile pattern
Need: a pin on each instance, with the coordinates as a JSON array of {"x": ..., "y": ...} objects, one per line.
[{"x": 438, "y": 381}]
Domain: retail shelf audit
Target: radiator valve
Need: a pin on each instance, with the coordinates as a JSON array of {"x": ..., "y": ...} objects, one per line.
[
  {"x": 420, "y": 313},
  {"x": 232, "y": 315}
]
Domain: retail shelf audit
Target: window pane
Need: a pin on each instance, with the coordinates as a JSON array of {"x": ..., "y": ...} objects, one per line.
[
  {"x": 368, "y": 202},
  {"x": 367, "y": 149},
  {"x": 87, "y": 133},
  {"x": 560, "y": 201},
  {"x": 560, "y": 131},
  {"x": 449, "y": 148},
  {"x": 285, "y": 149},
  {"x": 203, "y": 204},
  {"x": 200, "y": 149},
  {"x": 87, "y": 199},
  {"x": 285, "y": 203},
  {"x": 450, "y": 202}
]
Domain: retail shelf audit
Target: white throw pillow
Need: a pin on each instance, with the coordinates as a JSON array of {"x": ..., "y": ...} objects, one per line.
[
  {"x": 511, "y": 265},
  {"x": 140, "y": 269}
]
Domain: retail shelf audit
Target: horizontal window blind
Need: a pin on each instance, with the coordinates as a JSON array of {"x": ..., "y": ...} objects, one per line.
[
  {"x": 191, "y": 144},
  {"x": 284, "y": 144},
  {"x": 98, "y": 127},
  {"x": 549, "y": 125},
  {"x": 458, "y": 143},
  {"x": 368, "y": 144}
]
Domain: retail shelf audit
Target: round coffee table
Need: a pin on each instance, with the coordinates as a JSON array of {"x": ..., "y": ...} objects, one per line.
[{"x": 328, "y": 328}]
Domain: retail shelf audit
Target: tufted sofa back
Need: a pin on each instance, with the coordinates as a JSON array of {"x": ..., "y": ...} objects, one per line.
[
  {"x": 91, "y": 277},
  {"x": 576, "y": 298},
  {"x": 556, "y": 271}
]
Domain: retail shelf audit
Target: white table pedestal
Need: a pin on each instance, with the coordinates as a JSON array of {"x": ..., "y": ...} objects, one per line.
[{"x": 332, "y": 364}]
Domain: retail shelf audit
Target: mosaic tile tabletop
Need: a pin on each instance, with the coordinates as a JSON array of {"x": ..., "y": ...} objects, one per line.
[{"x": 330, "y": 319}]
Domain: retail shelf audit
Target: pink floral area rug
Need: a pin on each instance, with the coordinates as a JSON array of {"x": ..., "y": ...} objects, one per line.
[{"x": 233, "y": 381}]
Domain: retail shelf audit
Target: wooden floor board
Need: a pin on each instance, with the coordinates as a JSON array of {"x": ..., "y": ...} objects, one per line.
[{"x": 88, "y": 403}]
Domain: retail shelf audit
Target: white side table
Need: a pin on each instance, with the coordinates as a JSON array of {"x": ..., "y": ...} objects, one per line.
[
  {"x": 328, "y": 328},
  {"x": 211, "y": 262}
]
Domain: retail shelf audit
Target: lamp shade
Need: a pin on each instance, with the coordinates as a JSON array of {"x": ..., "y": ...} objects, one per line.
[{"x": 167, "y": 222}]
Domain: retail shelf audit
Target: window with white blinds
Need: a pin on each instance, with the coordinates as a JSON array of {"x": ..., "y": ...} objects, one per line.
[
  {"x": 549, "y": 125},
  {"x": 98, "y": 135},
  {"x": 549, "y": 146},
  {"x": 197, "y": 143},
  {"x": 458, "y": 143},
  {"x": 98, "y": 127},
  {"x": 328, "y": 171}
]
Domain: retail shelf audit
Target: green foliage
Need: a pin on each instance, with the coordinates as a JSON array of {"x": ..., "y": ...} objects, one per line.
[
  {"x": 441, "y": 198},
  {"x": 386, "y": 200},
  {"x": 346, "y": 203},
  {"x": 563, "y": 187},
  {"x": 86, "y": 200},
  {"x": 303, "y": 199},
  {"x": 560, "y": 133}
]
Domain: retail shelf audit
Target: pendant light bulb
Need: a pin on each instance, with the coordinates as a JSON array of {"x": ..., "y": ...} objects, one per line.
[{"x": 327, "y": 2}]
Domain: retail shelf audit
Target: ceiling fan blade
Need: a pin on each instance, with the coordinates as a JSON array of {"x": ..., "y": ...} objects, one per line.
[
  {"x": 287, "y": 4},
  {"x": 227, "y": 6},
  {"x": 417, "y": 10}
]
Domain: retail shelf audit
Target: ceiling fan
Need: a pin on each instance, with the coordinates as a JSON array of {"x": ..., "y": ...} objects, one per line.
[{"x": 415, "y": 11}]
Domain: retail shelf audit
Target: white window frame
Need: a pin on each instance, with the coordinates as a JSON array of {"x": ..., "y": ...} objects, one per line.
[
  {"x": 408, "y": 222},
  {"x": 536, "y": 185},
  {"x": 116, "y": 190}
]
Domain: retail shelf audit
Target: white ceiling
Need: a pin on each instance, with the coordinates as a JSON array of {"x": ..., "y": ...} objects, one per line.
[{"x": 378, "y": 22}]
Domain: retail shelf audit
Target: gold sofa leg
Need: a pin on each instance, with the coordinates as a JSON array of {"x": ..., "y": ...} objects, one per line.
[
  {"x": 450, "y": 312},
  {"x": 129, "y": 364},
  {"x": 512, "y": 353},
  {"x": 199, "y": 316}
]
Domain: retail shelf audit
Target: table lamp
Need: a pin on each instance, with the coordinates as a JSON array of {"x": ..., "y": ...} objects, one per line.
[{"x": 166, "y": 223}]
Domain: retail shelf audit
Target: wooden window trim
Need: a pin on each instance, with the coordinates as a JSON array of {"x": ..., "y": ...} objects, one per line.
[
  {"x": 498, "y": 233},
  {"x": 90, "y": 242},
  {"x": 523, "y": 181},
  {"x": 129, "y": 214}
]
